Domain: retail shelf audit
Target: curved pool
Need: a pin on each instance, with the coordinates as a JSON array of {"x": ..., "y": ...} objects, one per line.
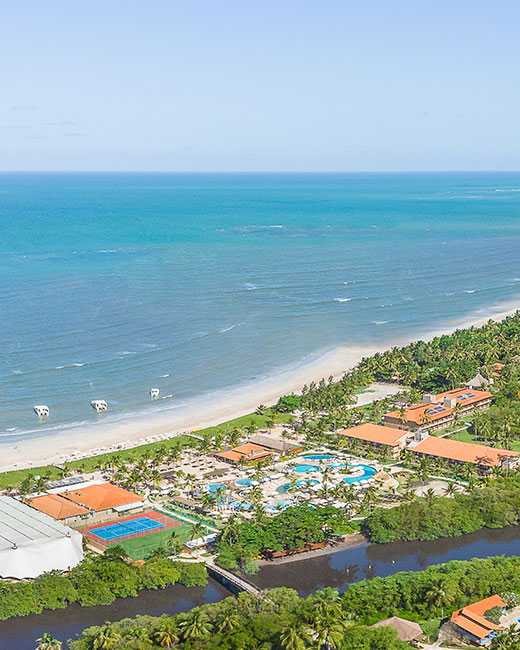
[
  {"x": 244, "y": 482},
  {"x": 305, "y": 468},
  {"x": 367, "y": 472},
  {"x": 302, "y": 482},
  {"x": 215, "y": 487},
  {"x": 318, "y": 456}
]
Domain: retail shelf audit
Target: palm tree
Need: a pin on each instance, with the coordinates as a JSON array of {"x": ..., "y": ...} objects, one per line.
[
  {"x": 198, "y": 530},
  {"x": 108, "y": 638},
  {"x": 293, "y": 638},
  {"x": 229, "y": 623},
  {"x": 509, "y": 640},
  {"x": 195, "y": 626},
  {"x": 450, "y": 490},
  {"x": 166, "y": 635},
  {"x": 438, "y": 595},
  {"x": 48, "y": 642}
]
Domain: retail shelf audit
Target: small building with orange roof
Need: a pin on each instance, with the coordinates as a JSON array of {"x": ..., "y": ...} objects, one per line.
[
  {"x": 246, "y": 453},
  {"x": 104, "y": 499},
  {"x": 378, "y": 437},
  {"x": 436, "y": 411},
  {"x": 59, "y": 508},
  {"x": 471, "y": 623},
  {"x": 456, "y": 451}
]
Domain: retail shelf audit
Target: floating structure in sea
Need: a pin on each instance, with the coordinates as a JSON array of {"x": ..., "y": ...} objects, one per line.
[
  {"x": 99, "y": 405},
  {"x": 154, "y": 393},
  {"x": 41, "y": 410}
]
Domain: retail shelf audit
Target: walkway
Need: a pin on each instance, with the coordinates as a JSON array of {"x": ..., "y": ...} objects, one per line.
[{"x": 227, "y": 578}]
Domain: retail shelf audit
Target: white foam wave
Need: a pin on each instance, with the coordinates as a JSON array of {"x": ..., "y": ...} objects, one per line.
[
  {"x": 379, "y": 322},
  {"x": 250, "y": 286},
  {"x": 342, "y": 299},
  {"x": 166, "y": 375},
  {"x": 228, "y": 329},
  {"x": 470, "y": 290},
  {"x": 17, "y": 372}
]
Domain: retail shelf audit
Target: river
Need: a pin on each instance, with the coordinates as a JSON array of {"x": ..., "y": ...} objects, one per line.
[{"x": 338, "y": 569}]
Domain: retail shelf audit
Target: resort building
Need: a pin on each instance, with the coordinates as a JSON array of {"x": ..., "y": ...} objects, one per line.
[
  {"x": 32, "y": 543},
  {"x": 103, "y": 500},
  {"x": 458, "y": 452},
  {"x": 378, "y": 437},
  {"x": 276, "y": 445},
  {"x": 59, "y": 508},
  {"x": 436, "y": 411},
  {"x": 246, "y": 453},
  {"x": 406, "y": 631},
  {"x": 470, "y": 621},
  {"x": 479, "y": 382}
]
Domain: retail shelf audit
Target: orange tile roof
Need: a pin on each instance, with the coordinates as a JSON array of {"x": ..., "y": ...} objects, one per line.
[
  {"x": 471, "y": 618},
  {"x": 248, "y": 452},
  {"x": 375, "y": 433},
  {"x": 104, "y": 496},
  {"x": 57, "y": 506},
  {"x": 466, "y": 452},
  {"x": 417, "y": 413}
]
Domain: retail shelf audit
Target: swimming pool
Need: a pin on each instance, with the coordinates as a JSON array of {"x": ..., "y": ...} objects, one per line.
[
  {"x": 368, "y": 472},
  {"x": 305, "y": 468},
  {"x": 215, "y": 487},
  {"x": 244, "y": 482},
  {"x": 301, "y": 482},
  {"x": 318, "y": 456},
  {"x": 338, "y": 465},
  {"x": 125, "y": 528}
]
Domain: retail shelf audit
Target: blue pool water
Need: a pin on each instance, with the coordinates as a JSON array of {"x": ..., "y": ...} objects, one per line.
[
  {"x": 244, "y": 482},
  {"x": 125, "y": 528},
  {"x": 305, "y": 468},
  {"x": 193, "y": 283},
  {"x": 302, "y": 482},
  {"x": 368, "y": 472},
  {"x": 318, "y": 456},
  {"x": 215, "y": 487}
]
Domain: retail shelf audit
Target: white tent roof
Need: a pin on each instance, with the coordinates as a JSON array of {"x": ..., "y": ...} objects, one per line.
[{"x": 32, "y": 543}]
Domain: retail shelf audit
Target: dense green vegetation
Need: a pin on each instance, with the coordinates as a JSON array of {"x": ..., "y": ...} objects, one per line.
[
  {"x": 242, "y": 541},
  {"x": 98, "y": 580},
  {"x": 281, "y": 620},
  {"x": 495, "y": 504}
]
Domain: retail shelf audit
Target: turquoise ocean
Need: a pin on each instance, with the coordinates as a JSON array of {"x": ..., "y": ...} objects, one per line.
[{"x": 111, "y": 284}]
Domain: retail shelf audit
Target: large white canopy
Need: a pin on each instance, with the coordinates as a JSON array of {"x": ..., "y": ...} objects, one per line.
[{"x": 32, "y": 543}]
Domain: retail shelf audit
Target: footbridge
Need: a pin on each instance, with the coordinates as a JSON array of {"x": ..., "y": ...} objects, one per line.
[{"x": 234, "y": 583}]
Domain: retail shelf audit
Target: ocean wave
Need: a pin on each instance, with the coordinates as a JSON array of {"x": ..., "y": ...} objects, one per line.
[
  {"x": 470, "y": 290},
  {"x": 342, "y": 299},
  {"x": 228, "y": 329},
  {"x": 250, "y": 286},
  {"x": 379, "y": 322},
  {"x": 164, "y": 376}
]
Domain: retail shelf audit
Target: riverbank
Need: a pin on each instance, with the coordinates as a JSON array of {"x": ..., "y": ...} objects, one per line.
[
  {"x": 111, "y": 434},
  {"x": 352, "y": 541}
]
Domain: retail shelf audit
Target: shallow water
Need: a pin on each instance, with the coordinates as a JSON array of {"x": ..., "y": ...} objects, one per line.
[{"x": 111, "y": 284}]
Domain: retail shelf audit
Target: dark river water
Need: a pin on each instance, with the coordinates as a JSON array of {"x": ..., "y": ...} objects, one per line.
[{"x": 337, "y": 569}]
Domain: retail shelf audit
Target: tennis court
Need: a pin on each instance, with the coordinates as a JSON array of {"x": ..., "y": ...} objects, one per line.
[{"x": 124, "y": 529}]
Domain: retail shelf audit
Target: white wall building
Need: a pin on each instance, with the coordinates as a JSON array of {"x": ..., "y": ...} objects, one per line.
[{"x": 32, "y": 543}]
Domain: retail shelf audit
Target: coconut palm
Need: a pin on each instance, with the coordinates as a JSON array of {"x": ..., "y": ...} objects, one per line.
[
  {"x": 107, "y": 638},
  {"x": 166, "y": 635},
  {"x": 195, "y": 626},
  {"x": 48, "y": 642},
  {"x": 293, "y": 637},
  {"x": 229, "y": 623}
]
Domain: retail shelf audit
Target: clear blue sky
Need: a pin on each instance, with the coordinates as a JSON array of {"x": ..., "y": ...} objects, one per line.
[{"x": 260, "y": 85}]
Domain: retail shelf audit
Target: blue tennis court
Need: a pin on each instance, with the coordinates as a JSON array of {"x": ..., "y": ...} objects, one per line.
[{"x": 125, "y": 528}]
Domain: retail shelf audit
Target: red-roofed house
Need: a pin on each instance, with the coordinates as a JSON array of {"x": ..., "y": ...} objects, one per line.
[
  {"x": 378, "y": 437},
  {"x": 436, "y": 411},
  {"x": 471, "y": 623}
]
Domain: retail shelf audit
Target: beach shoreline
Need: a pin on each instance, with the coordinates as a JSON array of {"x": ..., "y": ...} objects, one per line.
[{"x": 133, "y": 430}]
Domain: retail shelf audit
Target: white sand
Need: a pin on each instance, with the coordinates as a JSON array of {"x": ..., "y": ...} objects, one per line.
[{"x": 111, "y": 433}]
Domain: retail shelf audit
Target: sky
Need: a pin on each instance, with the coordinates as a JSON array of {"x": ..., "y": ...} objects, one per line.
[{"x": 278, "y": 85}]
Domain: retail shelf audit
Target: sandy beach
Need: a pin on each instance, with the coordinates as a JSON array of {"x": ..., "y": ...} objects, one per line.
[{"x": 111, "y": 433}]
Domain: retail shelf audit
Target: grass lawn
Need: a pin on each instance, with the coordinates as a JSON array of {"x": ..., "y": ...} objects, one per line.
[
  {"x": 13, "y": 479},
  {"x": 139, "y": 548},
  {"x": 466, "y": 436}
]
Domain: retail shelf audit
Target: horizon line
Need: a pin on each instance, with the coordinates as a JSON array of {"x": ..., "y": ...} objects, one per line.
[{"x": 259, "y": 171}]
